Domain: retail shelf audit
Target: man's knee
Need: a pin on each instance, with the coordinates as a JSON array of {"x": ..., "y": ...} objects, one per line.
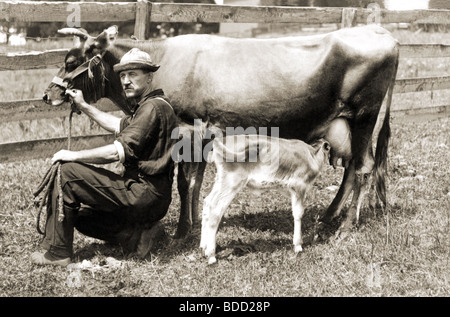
[{"x": 70, "y": 170}]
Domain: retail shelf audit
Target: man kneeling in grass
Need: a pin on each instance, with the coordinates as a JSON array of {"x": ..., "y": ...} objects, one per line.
[{"x": 123, "y": 209}]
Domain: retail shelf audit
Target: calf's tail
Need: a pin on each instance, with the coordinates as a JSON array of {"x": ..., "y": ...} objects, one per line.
[{"x": 224, "y": 153}]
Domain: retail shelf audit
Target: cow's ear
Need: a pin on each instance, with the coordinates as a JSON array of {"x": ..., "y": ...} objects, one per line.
[
  {"x": 100, "y": 43},
  {"x": 111, "y": 33}
]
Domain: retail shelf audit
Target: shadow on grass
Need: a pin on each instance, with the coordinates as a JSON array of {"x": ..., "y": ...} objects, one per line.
[
  {"x": 265, "y": 231},
  {"x": 105, "y": 249}
]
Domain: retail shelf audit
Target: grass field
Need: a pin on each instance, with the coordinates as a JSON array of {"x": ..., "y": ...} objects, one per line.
[{"x": 402, "y": 252}]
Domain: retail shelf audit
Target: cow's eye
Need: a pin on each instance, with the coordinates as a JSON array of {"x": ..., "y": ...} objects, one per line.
[{"x": 70, "y": 66}]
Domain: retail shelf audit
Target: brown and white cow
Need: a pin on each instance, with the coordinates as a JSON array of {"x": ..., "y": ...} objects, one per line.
[{"x": 260, "y": 162}]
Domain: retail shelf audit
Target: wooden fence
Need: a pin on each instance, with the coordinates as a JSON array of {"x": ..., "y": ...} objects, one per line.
[{"x": 144, "y": 12}]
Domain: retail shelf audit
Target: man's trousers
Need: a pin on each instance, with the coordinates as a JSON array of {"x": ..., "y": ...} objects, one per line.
[{"x": 118, "y": 207}]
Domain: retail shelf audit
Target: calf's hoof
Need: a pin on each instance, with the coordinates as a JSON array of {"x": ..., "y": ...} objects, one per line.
[
  {"x": 298, "y": 249},
  {"x": 212, "y": 260}
]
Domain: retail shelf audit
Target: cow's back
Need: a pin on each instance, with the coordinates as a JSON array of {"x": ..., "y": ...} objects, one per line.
[
  {"x": 297, "y": 83},
  {"x": 227, "y": 80},
  {"x": 289, "y": 82}
]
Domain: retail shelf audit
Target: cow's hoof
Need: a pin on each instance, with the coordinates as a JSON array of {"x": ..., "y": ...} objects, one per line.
[
  {"x": 180, "y": 236},
  {"x": 328, "y": 217},
  {"x": 323, "y": 232},
  {"x": 176, "y": 243},
  {"x": 341, "y": 234},
  {"x": 182, "y": 232}
]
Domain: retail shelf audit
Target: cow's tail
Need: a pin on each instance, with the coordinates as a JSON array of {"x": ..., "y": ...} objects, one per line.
[{"x": 381, "y": 154}]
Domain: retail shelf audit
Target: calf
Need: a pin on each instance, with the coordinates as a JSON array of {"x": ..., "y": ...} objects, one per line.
[{"x": 259, "y": 162}]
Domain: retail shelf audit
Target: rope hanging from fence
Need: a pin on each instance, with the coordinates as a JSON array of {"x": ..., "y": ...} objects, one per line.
[{"x": 53, "y": 175}]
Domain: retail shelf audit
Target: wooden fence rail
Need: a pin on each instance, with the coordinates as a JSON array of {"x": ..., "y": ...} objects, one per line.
[
  {"x": 33, "y": 11},
  {"x": 143, "y": 11},
  {"x": 14, "y": 151}
]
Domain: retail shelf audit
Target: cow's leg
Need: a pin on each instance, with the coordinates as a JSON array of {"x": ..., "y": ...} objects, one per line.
[
  {"x": 360, "y": 187},
  {"x": 190, "y": 178},
  {"x": 297, "y": 197},
  {"x": 224, "y": 190},
  {"x": 341, "y": 197},
  {"x": 364, "y": 190},
  {"x": 370, "y": 98},
  {"x": 200, "y": 172},
  {"x": 184, "y": 179},
  {"x": 356, "y": 179}
]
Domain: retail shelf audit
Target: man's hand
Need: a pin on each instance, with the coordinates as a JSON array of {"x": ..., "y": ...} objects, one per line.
[
  {"x": 106, "y": 120},
  {"x": 64, "y": 155},
  {"x": 77, "y": 96}
]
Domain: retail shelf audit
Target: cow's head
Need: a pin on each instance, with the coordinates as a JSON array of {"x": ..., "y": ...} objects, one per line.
[{"x": 87, "y": 67}]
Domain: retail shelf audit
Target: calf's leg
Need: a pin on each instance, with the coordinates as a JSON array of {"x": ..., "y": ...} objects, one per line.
[
  {"x": 297, "y": 197},
  {"x": 224, "y": 190}
]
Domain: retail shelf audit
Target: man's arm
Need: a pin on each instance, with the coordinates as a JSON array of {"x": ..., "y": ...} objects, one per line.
[
  {"x": 107, "y": 121},
  {"x": 100, "y": 155}
]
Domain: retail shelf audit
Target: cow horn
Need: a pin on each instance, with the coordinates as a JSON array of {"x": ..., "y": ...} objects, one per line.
[{"x": 73, "y": 31}]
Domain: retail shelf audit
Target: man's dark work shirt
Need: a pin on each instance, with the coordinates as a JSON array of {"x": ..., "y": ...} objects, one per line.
[{"x": 146, "y": 136}]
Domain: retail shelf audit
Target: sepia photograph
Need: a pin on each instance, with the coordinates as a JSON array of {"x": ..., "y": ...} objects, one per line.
[{"x": 231, "y": 155}]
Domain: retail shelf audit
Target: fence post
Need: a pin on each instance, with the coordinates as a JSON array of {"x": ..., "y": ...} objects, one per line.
[
  {"x": 142, "y": 22},
  {"x": 348, "y": 17}
]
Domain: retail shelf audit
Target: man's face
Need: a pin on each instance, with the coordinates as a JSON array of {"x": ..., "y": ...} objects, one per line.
[{"x": 135, "y": 82}]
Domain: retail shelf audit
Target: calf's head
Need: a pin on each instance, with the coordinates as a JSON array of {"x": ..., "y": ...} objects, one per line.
[{"x": 321, "y": 151}]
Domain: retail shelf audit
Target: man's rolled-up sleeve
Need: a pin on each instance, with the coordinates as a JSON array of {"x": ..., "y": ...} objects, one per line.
[{"x": 120, "y": 151}]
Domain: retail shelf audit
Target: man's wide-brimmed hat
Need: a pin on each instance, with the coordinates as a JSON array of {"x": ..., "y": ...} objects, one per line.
[{"x": 136, "y": 59}]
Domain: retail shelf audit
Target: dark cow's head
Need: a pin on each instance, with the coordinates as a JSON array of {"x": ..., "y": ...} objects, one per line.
[{"x": 88, "y": 67}]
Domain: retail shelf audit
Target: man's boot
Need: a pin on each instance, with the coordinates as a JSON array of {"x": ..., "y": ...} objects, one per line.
[{"x": 149, "y": 238}]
